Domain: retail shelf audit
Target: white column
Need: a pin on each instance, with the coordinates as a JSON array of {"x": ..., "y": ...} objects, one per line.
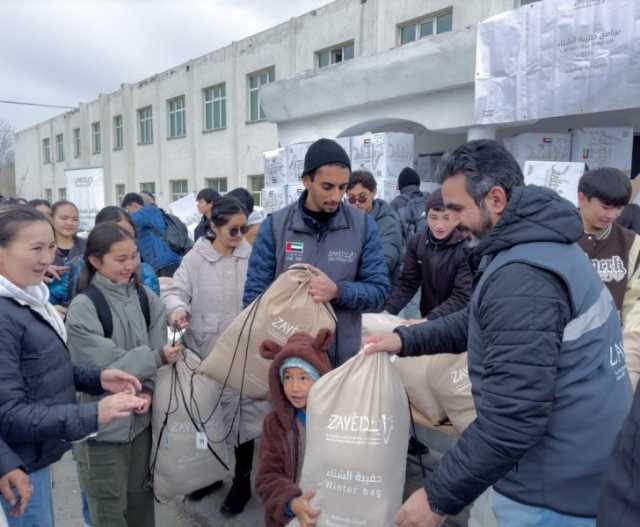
[{"x": 481, "y": 132}]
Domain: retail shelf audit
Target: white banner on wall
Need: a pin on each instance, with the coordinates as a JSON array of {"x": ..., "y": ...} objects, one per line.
[
  {"x": 85, "y": 188},
  {"x": 558, "y": 57},
  {"x": 558, "y": 176}
]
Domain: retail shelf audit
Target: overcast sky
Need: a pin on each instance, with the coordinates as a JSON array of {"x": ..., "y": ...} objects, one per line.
[{"x": 64, "y": 51}]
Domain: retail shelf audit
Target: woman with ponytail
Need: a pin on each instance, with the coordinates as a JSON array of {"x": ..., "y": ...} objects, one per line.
[
  {"x": 206, "y": 296},
  {"x": 116, "y": 321}
]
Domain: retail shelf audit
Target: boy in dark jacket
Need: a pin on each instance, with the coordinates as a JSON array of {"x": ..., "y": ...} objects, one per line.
[
  {"x": 294, "y": 369},
  {"x": 436, "y": 264}
]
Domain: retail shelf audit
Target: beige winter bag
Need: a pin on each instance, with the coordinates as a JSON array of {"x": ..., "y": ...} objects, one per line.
[
  {"x": 380, "y": 323},
  {"x": 183, "y": 459},
  {"x": 357, "y": 431},
  {"x": 439, "y": 387},
  {"x": 282, "y": 310}
]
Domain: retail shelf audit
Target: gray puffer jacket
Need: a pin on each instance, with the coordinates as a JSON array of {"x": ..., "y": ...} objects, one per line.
[{"x": 390, "y": 230}]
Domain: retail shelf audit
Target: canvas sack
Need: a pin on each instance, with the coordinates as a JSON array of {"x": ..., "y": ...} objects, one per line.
[
  {"x": 182, "y": 460},
  {"x": 379, "y": 323},
  {"x": 282, "y": 310},
  {"x": 357, "y": 432}
]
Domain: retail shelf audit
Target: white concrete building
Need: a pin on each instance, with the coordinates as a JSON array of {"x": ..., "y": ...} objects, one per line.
[{"x": 349, "y": 67}]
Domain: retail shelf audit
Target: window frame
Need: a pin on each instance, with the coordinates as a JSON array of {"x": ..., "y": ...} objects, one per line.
[
  {"x": 118, "y": 132},
  {"x": 46, "y": 151},
  {"x": 62, "y": 193},
  {"x": 145, "y": 125},
  {"x": 418, "y": 23},
  {"x": 144, "y": 187},
  {"x": 330, "y": 54},
  {"x": 270, "y": 72},
  {"x": 207, "y": 103},
  {"x": 48, "y": 194},
  {"x": 175, "y": 196},
  {"x": 215, "y": 184},
  {"x": 251, "y": 187},
  {"x": 176, "y": 117},
  {"x": 59, "y": 148},
  {"x": 76, "y": 143},
  {"x": 96, "y": 138},
  {"x": 119, "y": 197}
]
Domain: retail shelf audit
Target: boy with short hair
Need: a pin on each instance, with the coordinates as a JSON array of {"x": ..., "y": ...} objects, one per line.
[
  {"x": 294, "y": 369},
  {"x": 435, "y": 263}
]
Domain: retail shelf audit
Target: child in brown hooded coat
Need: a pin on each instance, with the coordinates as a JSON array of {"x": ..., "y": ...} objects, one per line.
[{"x": 294, "y": 369}]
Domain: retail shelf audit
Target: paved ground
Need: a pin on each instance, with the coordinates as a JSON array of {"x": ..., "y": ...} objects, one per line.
[{"x": 206, "y": 512}]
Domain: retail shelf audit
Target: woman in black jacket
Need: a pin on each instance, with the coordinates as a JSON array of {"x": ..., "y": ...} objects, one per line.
[{"x": 39, "y": 416}]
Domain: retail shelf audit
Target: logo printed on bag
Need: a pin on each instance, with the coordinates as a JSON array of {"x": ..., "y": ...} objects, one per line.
[
  {"x": 368, "y": 430},
  {"x": 617, "y": 361},
  {"x": 284, "y": 328}
]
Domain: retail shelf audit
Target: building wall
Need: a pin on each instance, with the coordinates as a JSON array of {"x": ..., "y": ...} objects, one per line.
[{"x": 235, "y": 152}]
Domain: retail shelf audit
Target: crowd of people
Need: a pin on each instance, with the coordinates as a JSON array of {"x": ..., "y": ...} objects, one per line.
[{"x": 542, "y": 295}]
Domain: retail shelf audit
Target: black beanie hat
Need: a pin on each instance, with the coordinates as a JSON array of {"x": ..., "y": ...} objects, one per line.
[
  {"x": 407, "y": 177},
  {"x": 325, "y": 152}
]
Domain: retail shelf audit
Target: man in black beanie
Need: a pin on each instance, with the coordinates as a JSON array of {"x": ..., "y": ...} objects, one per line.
[
  {"x": 340, "y": 241},
  {"x": 410, "y": 204}
]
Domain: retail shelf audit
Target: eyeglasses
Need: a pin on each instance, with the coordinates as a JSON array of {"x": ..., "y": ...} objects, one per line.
[
  {"x": 360, "y": 199},
  {"x": 234, "y": 231}
]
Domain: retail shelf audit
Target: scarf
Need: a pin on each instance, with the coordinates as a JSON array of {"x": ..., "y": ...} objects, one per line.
[{"x": 36, "y": 297}]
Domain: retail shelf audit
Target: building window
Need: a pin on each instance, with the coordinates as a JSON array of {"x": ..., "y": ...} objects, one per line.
[
  {"x": 176, "y": 114},
  {"x": 525, "y": 2},
  {"x": 96, "y": 134},
  {"x": 48, "y": 195},
  {"x": 120, "y": 191},
  {"x": 76, "y": 143},
  {"x": 255, "y": 184},
  {"x": 179, "y": 189},
  {"x": 145, "y": 126},
  {"x": 335, "y": 55},
  {"x": 118, "y": 133},
  {"x": 256, "y": 80},
  {"x": 215, "y": 107},
  {"x": 148, "y": 187},
  {"x": 62, "y": 193},
  {"x": 426, "y": 27},
  {"x": 60, "y": 147},
  {"x": 219, "y": 184},
  {"x": 46, "y": 150}
]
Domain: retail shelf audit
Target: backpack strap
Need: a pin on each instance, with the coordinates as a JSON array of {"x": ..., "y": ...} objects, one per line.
[
  {"x": 104, "y": 311},
  {"x": 102, "y": 308},
  {"x": 144, "y": 305}
]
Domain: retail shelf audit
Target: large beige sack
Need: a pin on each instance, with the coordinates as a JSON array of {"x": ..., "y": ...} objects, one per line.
[
  {"x": 179, "y": 465},
  {"x": 439, "y": 387},
  {"x": 357, "y": 432},
  {"x": 284, "y": 309},
  {"x": 380, "y": 323}
]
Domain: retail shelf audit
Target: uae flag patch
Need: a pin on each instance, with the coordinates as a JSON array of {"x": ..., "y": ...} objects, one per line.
[{"x": 294, "y": 248}]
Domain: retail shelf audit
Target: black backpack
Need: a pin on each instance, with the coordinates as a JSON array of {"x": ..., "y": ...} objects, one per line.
[
  {"x": 104, "y": 311},
  {"x": 176, "y": 234},
  {"x": 412, "y": 213}
]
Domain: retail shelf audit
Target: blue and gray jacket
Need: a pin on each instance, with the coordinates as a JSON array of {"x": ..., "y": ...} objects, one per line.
[
  {"x": 348, "y": 250},
  {"x": 546, "y": 363}
]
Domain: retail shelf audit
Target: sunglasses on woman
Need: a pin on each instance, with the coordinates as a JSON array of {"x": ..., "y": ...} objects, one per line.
[
  {"x": 234, "y": 231},
  {"x": 360, "y": 199}
]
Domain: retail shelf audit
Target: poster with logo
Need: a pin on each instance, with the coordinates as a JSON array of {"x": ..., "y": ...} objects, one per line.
[
  {"x": 85, "y": 188},
  {"x": 561, "y": 177},
  {"x": 558, "y": 57},
  {"x": 539, "y": 147},
  {"x": 604, "y": 147}
]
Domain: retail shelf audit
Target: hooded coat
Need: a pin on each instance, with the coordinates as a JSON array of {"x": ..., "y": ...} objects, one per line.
[
  {"x": 280, "y": 458},
  {"x": 544, "y": 347}
]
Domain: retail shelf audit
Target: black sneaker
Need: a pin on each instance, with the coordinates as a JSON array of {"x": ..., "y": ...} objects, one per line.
[
  {"x": 197, "y": 495},
  {"x": 238, "y": 497},
  {"x": 416, "y": 448}
]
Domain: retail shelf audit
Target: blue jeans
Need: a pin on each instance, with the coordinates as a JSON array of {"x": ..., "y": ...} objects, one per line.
[
  {"x": 39, "y": 512},
  {"x": 510, "y": 513}
]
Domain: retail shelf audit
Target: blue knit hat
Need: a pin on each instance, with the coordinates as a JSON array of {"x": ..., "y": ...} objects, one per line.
[{"x": 295, "y": 362}]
